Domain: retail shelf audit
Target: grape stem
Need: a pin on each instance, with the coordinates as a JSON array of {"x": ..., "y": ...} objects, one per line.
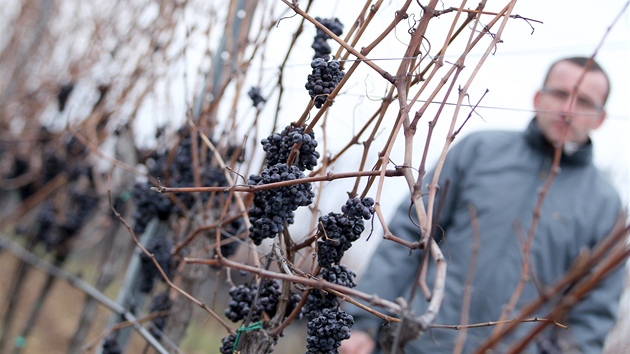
[{"x": 251, "y": 188}]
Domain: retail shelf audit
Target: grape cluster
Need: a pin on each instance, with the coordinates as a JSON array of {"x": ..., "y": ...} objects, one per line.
[
  {"x": 320, "y": 45},
  {"x": 181, "y": 168},
  {"x": 326, "y": 331},
  {"x": 178, "y": 172},
  {"x": 337, "y": 231},
  {"x": 254, "y": 94},
  {"x": 227, "y": 344},
  {"x": 56, "y": 226},
  {"x": 325, "y": 76},
  {"x": 149, "y": 204},
  {"x": 161, "y": 302},
  {"x": 328, "y": 325},
  {"x": 243, "y": 296},
  {"x": 160, "y": 247},
  {"x": 278, "y": 147},
  {"x": 58, "y": 220},
  {"x": 274, "y": 207},
  {"x": 359, "y": 208}
]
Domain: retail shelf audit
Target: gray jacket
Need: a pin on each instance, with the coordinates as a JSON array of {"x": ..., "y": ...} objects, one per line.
[{"x": 499, "y": 173}]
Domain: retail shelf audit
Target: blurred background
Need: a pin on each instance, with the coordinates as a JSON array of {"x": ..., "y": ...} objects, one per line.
[{"x": 142, "y": 68}]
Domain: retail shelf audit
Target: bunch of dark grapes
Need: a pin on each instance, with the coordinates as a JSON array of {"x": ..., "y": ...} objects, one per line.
[
  {"x": 274, "y": 207},
  {"x": 81, "y": 203},
  {"x": 161, "y": 302},
  {"x": 318, "y": 300},
  {"x": 243, "y": 296},
  {"x": 240, "y": 304},
  {"x": 176, "y": 170},
  {"x": 320, "y": 45},
  {"x": 359, "y": 208},
  {"x": 181, "y": 167},
  {"x": 181, "y": 170},
  {"x": 337, "y": 231},
  {"x": 278, "y": 147},
  {"x": 149, "y": 204},
  {"x": 254, "y": 94},
  {"x": 110, "y": 346},
  {"x": 325, "y": 76},
  {"x": 326, "y": 331},
  {"x": 55, "y": 227},
  {"x": 160, "y": 247},
  {"x": 227, "y": 344}
]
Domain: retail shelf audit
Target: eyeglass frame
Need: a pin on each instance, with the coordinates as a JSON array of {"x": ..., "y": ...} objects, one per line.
[{"x": 583, "y": 103}]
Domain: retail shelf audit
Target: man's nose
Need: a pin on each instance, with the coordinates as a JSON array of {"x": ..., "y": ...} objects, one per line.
[{"x": 568, "y": 105}]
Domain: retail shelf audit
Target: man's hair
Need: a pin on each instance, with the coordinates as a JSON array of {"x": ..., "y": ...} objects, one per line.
[{"x": 583, "y": 62}]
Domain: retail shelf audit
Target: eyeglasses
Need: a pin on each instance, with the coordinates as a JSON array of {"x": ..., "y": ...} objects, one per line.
[{"x": 582, "y": 103}]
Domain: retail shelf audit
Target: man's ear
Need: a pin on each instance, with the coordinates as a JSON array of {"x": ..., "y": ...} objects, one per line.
[
  {"x": 599, "y": 120},
  {"x": 537, "y": 97}
]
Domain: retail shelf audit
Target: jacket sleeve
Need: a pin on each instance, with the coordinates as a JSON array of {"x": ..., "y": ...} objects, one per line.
[
  {"x": 592, "y": 318},
  {"x": 392, "y": 267}
]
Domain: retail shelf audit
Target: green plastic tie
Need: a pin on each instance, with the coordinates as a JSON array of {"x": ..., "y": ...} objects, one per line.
[
  {"x": 20, "y": 342},
  {"x": 125, "y": 196},
  {"x": 251, "y": 327}
]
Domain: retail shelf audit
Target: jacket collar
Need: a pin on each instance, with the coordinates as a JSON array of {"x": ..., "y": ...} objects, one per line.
[{"x": 534, "y": 137}]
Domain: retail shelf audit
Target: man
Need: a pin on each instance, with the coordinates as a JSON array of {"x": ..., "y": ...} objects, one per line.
[{"x": 499, "y": 173}]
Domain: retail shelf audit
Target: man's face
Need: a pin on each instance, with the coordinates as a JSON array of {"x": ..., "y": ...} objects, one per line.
[{"x": 563, "y": 116}]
